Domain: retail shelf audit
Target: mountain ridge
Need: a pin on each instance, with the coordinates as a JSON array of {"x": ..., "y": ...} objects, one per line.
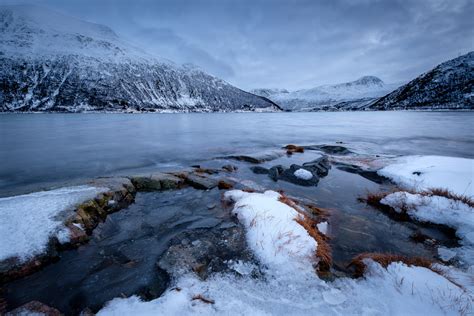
[{"x": 54, "y": 63}]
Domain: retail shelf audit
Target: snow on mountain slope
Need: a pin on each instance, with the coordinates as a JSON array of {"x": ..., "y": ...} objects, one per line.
[
  {"x": 450, "y": 85},
  {"x": 327, "y": 97},
  {"x": 52, "y": 62}
]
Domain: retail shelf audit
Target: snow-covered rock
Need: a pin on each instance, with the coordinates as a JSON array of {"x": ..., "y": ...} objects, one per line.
[
  {"x": 52, "y": 62},
  {"x": 450, "y": 85},
  {"x": 343, "y": 96},
  {"x": 303, "y": 174},
  {"x": 428, "y": 172},
  {"x": 27, "y": 222}
]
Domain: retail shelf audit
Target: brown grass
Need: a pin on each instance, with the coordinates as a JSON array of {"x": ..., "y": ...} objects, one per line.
[
  {"x": 288, "y": 201},
  {"x": 450, "y": 195},
  {"x": 249, "y": 190},
  {"x": 323, "y": 251},
  {"x": 318, "y": 211},
  {"x": 290, "y": 149},
  {"x": 385, "y": 259},
  {"x": 203, "y": 299}
]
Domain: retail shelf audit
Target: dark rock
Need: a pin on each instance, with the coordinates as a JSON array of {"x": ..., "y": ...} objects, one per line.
[
  {"x": 319, "y": 166},
  {"x": 156, "y": 182},
  {"x": 289, "y": 176},
  {"x": 210, "y": 251},
  {"x": 34, "y": 308},
  {"x": 371, "y": 175},
  {"x": 259, "y": 170},
  {"x": 330, "y": 149},
  {"x": 230, "y": 168},
  {"x": 258, "y": 157},
  {"x": 275, "y": 172}
]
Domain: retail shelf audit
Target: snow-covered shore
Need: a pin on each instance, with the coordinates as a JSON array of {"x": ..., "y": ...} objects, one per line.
[{"x": 290, "y": 289}]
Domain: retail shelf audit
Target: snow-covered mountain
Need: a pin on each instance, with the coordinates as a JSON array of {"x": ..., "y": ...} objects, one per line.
[
  {"x": 52, "y": 62},
  {"x": 450, "y": 85},
  {"x": 343, "y": 96}
]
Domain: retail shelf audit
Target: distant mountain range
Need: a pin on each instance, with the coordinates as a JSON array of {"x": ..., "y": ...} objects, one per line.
[
  {"x": 353, "y": 95},
  {"x": 55, "y": 63},
  {"x": 447, "y": 86},
  {"x": 51, "y": 62}
]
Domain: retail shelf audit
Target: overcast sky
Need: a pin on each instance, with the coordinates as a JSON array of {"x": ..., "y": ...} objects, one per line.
[{"x": 290, "y": 44}]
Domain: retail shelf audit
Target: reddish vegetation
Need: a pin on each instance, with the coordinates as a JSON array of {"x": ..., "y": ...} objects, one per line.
[
  {"x": 222, "y": 185},
  {"x": 450, "y": 195},
  {"x": 385, "y": 259},
  {"x": 288, "y": 201},
  {"x": 203, "y": 299},
  {"x": 290, "y": 149},
  {"x": 323, "y": 251},
  {"x": 249, "y": 190}
]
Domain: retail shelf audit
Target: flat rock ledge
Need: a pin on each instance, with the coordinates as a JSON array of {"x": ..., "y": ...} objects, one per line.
[
  {"x": 81, "y": 222},
  {"x": 122, "y": 190}
]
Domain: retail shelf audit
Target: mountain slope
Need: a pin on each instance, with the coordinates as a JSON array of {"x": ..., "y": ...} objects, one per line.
[
  {"x": 347, "y": 95},
  {"x": 52, "y": 62},
  {"x": 450, "y": 85}
]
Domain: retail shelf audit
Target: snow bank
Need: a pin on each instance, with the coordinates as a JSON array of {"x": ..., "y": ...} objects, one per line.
[
  {"x": 28, "y": 221},
  {"x": 437, "y": 210},
  {"x": 303, "y": 174},
  {"x": 273, "y": 234},
  {"x": 425, "y": 172},
  {"x": 397, "y": 290}
]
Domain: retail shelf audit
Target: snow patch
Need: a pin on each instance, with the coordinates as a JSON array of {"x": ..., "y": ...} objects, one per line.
[{"x": 425, "y": 172}]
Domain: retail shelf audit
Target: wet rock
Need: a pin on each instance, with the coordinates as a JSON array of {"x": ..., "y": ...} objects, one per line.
[
  {"x": 209, "y": 252},
  {"x": 319, "y": 166},
  {"x": 275, "y": 172},
  {"x": 258, "y": 157},
  {"x": 330, "y": 149},
  {"x": 371, "y": 175},
  {"x": 201, "y": 182},
  {"x": 259, "y": 170},
  {"x": 230, "y": 168},
  {"x": 288, "y": 175},
  {"x": 35, "y": 308},
  {"x": 77, "y": 236},
  {"x": 156, "y": 182},
  {"x": 207, "y": 170}
]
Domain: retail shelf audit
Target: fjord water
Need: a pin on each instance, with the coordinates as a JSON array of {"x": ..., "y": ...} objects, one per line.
[{"x": 42, "y": 150}]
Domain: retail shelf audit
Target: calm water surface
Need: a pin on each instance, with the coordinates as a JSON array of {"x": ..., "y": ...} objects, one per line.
[{"x": 38, "y": 151}]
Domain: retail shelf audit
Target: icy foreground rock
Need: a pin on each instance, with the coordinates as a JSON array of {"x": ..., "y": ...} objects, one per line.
[
  {"x": 27, "y": 222},
  {"x": 290, "y": 288},
  {"x": 52, "y": 62}
]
